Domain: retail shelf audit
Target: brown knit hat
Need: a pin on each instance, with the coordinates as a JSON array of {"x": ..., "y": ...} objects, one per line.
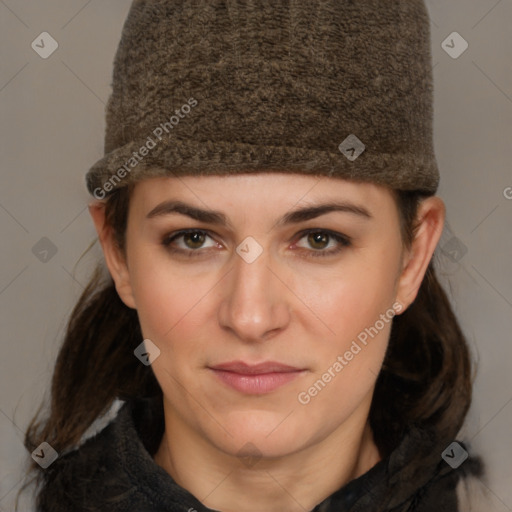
[{"x": 341, "y": 88}]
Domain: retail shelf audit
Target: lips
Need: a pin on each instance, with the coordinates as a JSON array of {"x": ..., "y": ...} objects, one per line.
[
  {"x": 255, "y": 369},
  {"x": 256, "y": 378}
]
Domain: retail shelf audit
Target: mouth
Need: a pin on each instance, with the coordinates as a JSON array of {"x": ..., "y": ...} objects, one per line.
[{"x": 256, "y": 379}]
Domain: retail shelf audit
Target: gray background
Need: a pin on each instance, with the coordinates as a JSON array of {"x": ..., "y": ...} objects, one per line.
[{"x": 52, "y": 124}]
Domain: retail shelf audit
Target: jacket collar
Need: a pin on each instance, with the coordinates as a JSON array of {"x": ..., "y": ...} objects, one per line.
[{"x": 139, "y": 426}]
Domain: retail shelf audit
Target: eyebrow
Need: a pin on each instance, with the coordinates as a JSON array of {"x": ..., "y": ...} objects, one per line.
[{"x": 295, "y": 216}]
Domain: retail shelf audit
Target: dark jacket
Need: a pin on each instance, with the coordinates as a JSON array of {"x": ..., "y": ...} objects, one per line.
[{"x": 114, "y": 471}]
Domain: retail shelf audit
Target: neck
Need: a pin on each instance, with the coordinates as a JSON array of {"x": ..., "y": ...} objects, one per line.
[{"x": 295, "y": 482}]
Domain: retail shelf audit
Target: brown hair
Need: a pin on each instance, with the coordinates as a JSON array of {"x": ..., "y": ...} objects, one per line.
[{"x": 425, "y": 379}]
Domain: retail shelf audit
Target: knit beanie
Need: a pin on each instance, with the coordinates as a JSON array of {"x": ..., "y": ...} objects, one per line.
[{"x": 337, "y": 88}]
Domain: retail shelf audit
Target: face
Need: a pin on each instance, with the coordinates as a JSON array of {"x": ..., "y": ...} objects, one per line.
[{"x": 226, "y": 274}]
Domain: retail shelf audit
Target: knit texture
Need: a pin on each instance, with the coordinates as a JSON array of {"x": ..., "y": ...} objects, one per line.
[{"x": 215, "y": 87}]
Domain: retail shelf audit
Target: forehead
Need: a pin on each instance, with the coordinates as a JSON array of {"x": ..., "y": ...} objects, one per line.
[
  {"x": 276, "y": 190},
  {"x": 263, "y": 202}
]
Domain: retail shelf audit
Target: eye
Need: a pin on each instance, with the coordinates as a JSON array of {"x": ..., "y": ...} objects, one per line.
[
  {"x": 193, "y": 239},
  {"x": 319, "y": 240}
]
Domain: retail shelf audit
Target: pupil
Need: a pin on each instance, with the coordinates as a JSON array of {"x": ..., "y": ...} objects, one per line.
[
  {"x": 196, "y": 238},
  {"x": 318, "y": 237}
]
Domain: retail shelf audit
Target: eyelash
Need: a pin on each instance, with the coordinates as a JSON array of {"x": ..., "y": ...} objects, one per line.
[{"x": 343, "y": 240}]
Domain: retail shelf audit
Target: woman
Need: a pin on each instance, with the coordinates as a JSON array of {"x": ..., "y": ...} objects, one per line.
[{"x": 271, "y": 334}]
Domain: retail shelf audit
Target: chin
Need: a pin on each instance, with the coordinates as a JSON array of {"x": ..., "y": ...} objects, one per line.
[{"x": 256, "y": 436}]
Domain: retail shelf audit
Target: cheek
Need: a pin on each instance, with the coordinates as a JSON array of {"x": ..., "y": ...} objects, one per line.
[
  {"x": 170, "y": 302},
  {"x": 356, "y": 305},
  {"x": 156, "y": 291},
  {"x": 346, "y": 367},
  {"x": 354, "y": 298}
]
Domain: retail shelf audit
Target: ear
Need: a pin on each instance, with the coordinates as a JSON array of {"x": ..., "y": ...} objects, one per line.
[
  {"x": 114, "y": 258},
  {"x": 430, "y": 218}
]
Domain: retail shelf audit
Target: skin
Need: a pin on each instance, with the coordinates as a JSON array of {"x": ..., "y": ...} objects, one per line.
[{"x": 287, "y": 306}]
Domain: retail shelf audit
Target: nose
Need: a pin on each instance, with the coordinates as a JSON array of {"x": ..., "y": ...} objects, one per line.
[{"x": 255, "y": 301}]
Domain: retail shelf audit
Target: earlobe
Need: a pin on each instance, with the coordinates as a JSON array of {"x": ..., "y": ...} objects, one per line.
[
  {"x": 114, "y": 258},
  {"x": 431, "y": 216}
]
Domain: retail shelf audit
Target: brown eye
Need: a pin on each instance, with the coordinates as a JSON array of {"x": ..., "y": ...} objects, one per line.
[
  {"x": 191, "y": 241},
  {"x": 195, "y": 238},
  {"x": 320, "y": 239}
]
